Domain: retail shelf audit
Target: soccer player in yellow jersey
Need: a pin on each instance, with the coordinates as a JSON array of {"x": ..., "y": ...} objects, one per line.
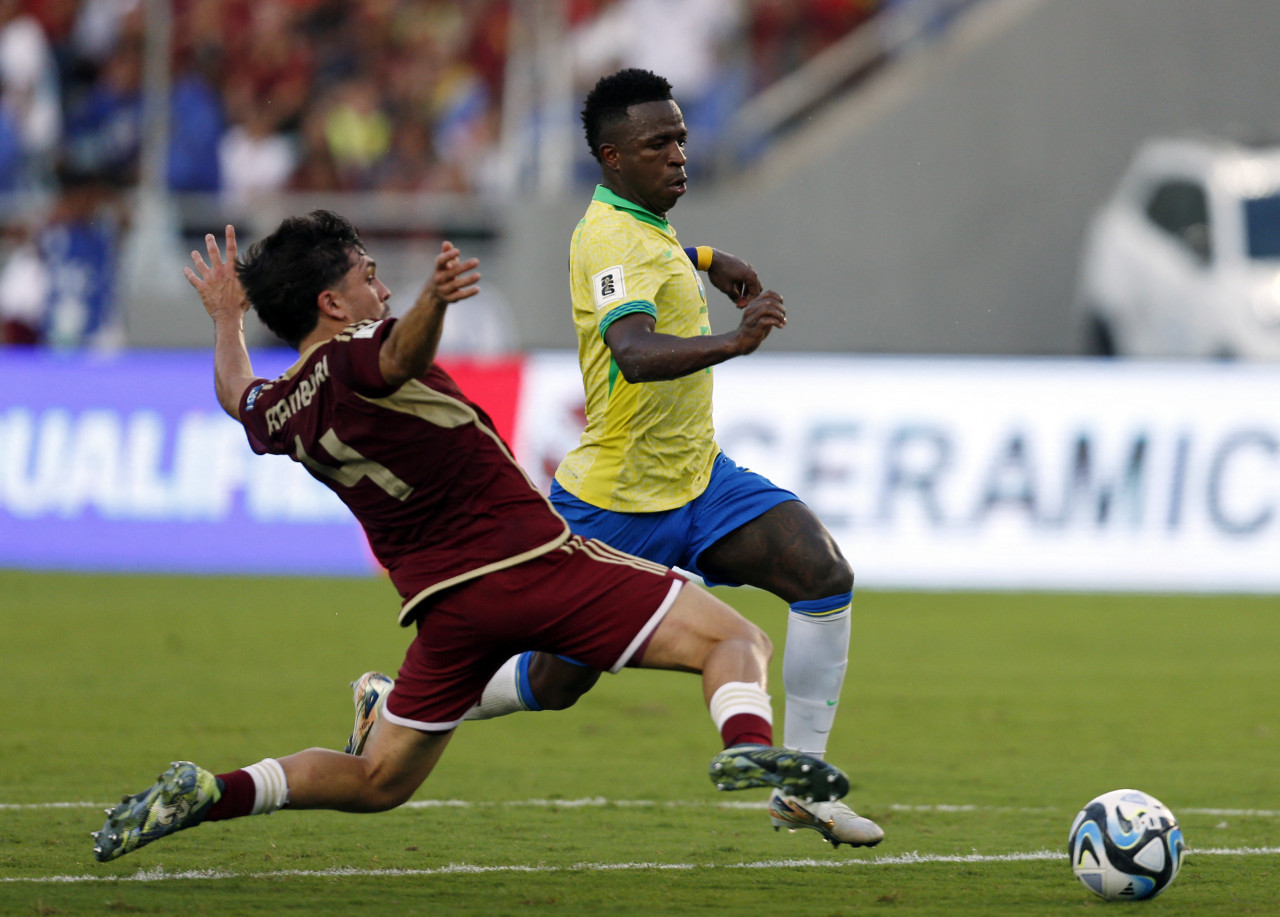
[{"x": 648, "y": 477}]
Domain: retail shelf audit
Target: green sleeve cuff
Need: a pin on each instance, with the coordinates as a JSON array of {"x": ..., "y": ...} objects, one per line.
[{"x": 627, "y": 308}]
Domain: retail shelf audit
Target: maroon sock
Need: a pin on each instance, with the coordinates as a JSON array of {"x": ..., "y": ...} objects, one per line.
[
  {"x": 746, "y": 729},
  {"x": 238, "y": 793}
]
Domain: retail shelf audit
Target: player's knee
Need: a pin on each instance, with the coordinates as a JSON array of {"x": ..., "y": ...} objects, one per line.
[
  {"x": 382, "y": 800},
  {"x": 559, "y": 699},
  {"x": 563, "y": 695},
  {"x": 764, "y": 644},
  {"x": 385, "y": 789},
  {"x": 840, "y": 577},
  {"x": 730, "y": 625},
  {"x": 756, "y": 637},
  {"x": 831, "y": 576},
  {"x": 557, "y": 684}
]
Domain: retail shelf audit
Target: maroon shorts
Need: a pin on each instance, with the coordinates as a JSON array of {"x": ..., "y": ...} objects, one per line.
[{"x": 584, "y": 600}]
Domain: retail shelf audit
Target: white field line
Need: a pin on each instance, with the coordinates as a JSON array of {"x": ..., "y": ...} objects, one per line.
[
  {"x": 904, "y": 859},
  {"x": 158, "y": 874},
  {"x": 602, "y": 802}
]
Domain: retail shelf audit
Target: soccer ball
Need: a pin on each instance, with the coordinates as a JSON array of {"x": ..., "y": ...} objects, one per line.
[{"x": 1126, "y": 846}]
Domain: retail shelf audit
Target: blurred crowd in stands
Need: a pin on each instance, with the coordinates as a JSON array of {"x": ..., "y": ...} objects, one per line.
[
  {"x": 318, "y": 95},
  {"x": 401, "y": 95}
]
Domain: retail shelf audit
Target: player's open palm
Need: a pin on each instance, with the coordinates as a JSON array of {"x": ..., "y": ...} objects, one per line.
[{"x": 216, "y": 280}]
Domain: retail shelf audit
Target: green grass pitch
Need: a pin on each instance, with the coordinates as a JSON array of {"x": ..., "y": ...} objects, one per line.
[{"x": 973, "y": 726}]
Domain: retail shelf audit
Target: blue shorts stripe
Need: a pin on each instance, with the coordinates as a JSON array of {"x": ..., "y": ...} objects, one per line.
[
  {"x": 820, "y": 608},
  {"x": 523, "y": 689}
]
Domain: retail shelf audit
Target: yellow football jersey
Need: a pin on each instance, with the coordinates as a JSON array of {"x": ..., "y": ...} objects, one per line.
[{"x": 646, "y": 447}]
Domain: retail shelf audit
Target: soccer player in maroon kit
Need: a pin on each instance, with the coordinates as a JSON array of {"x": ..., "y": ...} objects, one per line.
[{"x": 484, "y": 566}]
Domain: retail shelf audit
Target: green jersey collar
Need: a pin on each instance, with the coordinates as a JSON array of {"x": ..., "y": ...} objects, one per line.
[{"x": 605, "y": 196}]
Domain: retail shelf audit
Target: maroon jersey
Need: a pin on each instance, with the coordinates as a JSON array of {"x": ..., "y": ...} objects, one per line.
[{"x": 436, "y": 489}]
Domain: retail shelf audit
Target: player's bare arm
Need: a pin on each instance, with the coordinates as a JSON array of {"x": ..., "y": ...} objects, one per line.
[
  {"x": 644, "y": 355},
  {"x": 223, "y": 298},
  {"x": 411, "y": 346},
  {"x": 734, "y": 278}
]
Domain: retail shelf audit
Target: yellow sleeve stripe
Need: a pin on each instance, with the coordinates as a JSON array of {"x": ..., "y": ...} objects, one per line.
[{"x": 704, "y": 257}]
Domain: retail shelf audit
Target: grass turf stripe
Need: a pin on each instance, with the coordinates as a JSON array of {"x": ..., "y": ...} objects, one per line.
[
  {"x": 602, "y": 802},
  {"x": 904, "y": 859}
]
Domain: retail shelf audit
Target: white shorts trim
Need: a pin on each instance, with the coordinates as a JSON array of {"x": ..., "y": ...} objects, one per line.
[
  {"x": 649, "y": 626},
  {"x": 417, "y": 724}
]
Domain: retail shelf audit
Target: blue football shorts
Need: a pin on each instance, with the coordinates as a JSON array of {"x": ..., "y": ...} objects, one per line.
[{"x": 676, "y": 537}]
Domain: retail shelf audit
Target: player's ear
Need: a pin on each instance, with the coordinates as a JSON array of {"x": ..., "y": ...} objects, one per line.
[
  {"x": 329, "y": 306},
  {"x": 609, "y": 154}
]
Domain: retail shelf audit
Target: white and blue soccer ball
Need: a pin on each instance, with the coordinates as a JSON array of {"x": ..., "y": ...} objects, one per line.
[{"x": 1126, "y": 846}]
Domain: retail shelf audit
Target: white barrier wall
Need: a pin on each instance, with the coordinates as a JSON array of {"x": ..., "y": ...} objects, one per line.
[
  {"x": 932, "y": 473},
  {"x": 958, "y": 473}
]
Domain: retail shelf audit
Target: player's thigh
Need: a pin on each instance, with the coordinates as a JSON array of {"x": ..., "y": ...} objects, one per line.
[
  {"x": 695, "y": 624},
  {"x": 786, "y": 550}
]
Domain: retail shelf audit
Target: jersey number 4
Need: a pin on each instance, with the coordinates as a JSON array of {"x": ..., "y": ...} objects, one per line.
[{"x": 354, "y": 468}]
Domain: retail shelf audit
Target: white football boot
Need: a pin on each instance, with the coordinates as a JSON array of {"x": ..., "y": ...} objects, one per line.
[{"x": 834, "y": 820}]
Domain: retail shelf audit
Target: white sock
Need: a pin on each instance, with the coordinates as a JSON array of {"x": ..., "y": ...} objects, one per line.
[
  {"x": 503, "y": 694},
  {"x": 813, "y": 667},
  {"x": 270, "y": 789},
  {"x": 734, "y": 697}
]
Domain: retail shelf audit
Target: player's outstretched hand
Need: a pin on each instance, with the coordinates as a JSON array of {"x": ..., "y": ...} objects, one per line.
[
  {"x": 734, "y": 278},
  {"x": 408, "y": 350},
  {"x": 759, "y": 317},
  {"x": 454, "y": 279},
  {"x": 216, "y": 281}
]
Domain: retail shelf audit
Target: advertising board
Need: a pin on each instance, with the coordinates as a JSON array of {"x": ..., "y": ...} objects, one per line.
[
  {"x": 1023, "y": 474},
  {"x": 935, "y": 473},
  {"x": 126, "y": 462}
]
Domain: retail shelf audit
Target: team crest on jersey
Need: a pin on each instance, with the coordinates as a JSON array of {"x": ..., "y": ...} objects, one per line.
[
  {"x": 367, "y": 331},
  {"x": 609, "y": 286}
]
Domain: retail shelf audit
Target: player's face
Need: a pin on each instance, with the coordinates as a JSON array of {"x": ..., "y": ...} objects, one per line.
[
  {"x": 362, "y": 294},
  {"x": 648, "y": 160}
]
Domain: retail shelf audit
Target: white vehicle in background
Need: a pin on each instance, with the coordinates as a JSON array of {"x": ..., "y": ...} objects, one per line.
[{"x": 1184, "y": 259}]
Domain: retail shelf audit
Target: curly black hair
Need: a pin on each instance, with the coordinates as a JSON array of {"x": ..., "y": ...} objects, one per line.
[
  {"x": 285, "y": 273},
  {"x": 607, "y": 103}
]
